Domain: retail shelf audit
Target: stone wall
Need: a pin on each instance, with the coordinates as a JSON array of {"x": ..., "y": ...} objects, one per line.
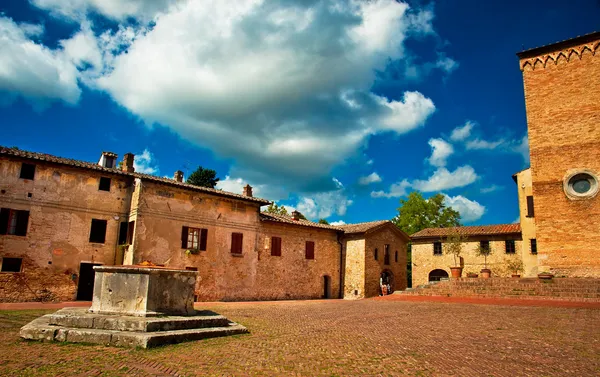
[
  {"x": 424, "y": 261},
  {"x": 373, "y": 268},
  {"x": 354, "y": 278},
  {"x": 524, "y": 189},
  {"x": 61, "y": 202},
  {"x": 563, "y": 117}
]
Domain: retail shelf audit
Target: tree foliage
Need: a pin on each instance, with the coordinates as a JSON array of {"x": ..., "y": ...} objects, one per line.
[
  {"x": 453, "y": 245},
  {"x": 277, "y": 210},
  {"x": 417, "y": 213},
  {"x": 323, "y": 221},
  {"x": 203, "y": 178}
]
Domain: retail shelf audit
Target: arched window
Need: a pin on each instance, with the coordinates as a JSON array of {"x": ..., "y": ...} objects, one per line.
[{"x": 437, "y": 275}]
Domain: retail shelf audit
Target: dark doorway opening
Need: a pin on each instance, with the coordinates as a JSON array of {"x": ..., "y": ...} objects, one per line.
[
  {"x": 85, "y": 287},
  {"x": 386, "y": 282},
  {"x": 437, "y": 275},
  {"x": 326, "y": 286}
]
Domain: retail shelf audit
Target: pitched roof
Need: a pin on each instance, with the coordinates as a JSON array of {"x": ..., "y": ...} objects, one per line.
[
  {"x": 288, "y": 220},
  {"x": 514, "y": 176},
  {"x": 476, "y": 230},
  {"x": 4, "y": 151},
  {"x": 361, "y": 227}
]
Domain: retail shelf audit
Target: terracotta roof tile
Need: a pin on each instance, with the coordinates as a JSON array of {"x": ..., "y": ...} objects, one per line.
[
  {"x": 362, "y": 227},
  {"x": 4, "y": 151},
  {"x": 288, "y": 220},
  {"x": 476, "y": 230}
]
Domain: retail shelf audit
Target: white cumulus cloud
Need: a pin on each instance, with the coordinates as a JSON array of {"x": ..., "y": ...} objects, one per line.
[
  {"x": 145, "y": 163},
  {"x": 368, "y": 179},
  {"x": 443, "y": 179},
  {"x": 338, "y": 223},
  {"x": 396, "y": 190},
  {"x": 462, "y": 132},
  {"x": 469, "y": 210},
  {"x": 440, "y": 151}
]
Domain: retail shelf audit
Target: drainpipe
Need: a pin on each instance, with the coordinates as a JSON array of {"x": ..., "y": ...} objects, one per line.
[{"x": 341, "y": 290}]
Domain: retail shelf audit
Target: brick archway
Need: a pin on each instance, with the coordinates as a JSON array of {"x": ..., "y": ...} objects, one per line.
[
  {"x": 387, "y": 277},
  {"x": 438, "y": 274}
]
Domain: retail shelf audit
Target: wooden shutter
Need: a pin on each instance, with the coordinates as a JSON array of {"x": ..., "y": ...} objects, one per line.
[
  {"x": 530, "y": 206},
  {"x": 4, "y": 215},
  {"x": 123, "y": 233},
  {"x": 310, "y": 250},
  {"x": 22, "y": 221},
  {"x": 276, "y": 246},
  {"x": 203, "y": 238},
  {"x": 184, "y": 237},
  {"x": 130, "y": 229},
  {"x": 236, "y": 243}
]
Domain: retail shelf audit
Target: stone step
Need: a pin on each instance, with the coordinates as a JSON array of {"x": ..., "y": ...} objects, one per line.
[
  {"x": 41, "y": 329},
  {"x": 81, "y": 318}
]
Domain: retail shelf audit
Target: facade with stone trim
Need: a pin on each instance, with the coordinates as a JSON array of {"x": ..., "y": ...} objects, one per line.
[
  {"x": 60, "y": 217},
  {"x": 559, "y": 206}
]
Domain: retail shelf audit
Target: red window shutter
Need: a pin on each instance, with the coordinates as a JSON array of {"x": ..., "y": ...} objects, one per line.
[
  {"x": 310, "y": 250},
  {"x": 276, "y": 246},
  {"x": 22, "y": 222},
  {"x": 203, "y": 238},
  {"x": 184, "y": 237},
  {"x": 4, "y": 215},
  {"x": 236, "y": 243}
]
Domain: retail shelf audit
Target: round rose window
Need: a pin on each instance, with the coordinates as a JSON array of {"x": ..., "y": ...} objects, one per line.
[{"x": 581, "y": 185}]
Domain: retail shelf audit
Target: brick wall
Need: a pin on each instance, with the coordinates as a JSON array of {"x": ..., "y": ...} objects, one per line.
[
  {"x": 354, "y": 278},
  {"x": 374, "y": 268},
  {"x": 563, "y": 117}
]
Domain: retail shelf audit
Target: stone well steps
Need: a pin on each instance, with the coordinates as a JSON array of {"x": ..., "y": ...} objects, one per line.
[
  {"x": 77, "y": 326},
  {"x": 572, "y": 289}
]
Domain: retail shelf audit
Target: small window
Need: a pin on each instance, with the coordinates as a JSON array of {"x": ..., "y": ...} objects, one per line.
[
  {"x": 386, "y": 254},
  {"x": 533, "y": 246},
  {"x": 485, "y": 245},
  {"x": 11, "y": 264},
  {"x": 396, "y": 256},
  {"x": 237, "y": 240},
  {"x": 130, "y": 228},
  {"x": 530, "y": 206},
  {"x": 376, "y": 254},
  {"x": 276, "y": 246},
  {"x": 27, "y": 171},
  {"x": 13, "y": 222},
  {"x": 98, "y": 231},
  {"x": 510, "y": 246},
  {"x": 104, "y": 184},
  {"x": 437, "y": 248},
  {"x": 193, "y": 238},
  {"x": 309, "y": 251},
  {"x": 123, "y": 233}
]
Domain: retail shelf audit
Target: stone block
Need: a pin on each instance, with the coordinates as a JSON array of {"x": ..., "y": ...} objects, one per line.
[{"x": 89, "y": 336}]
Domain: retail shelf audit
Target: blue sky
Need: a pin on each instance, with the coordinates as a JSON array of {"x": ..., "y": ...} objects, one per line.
[{"x": 338, "y": 109}]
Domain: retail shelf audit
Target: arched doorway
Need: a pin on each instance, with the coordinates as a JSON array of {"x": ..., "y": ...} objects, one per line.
[
  {"x": 386, "y": 282},
  {"x": 326, "y": 286},
  {"x": 437, "y": 275}
]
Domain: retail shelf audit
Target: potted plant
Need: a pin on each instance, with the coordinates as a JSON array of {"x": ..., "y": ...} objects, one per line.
[
  {"x": 189, "y": 252},
  {"x": 545, "y": 275},
  {"x": 484, "y": 251},
  {"x": 454, "y": 246},
  {"x": 515, "y": 265}
]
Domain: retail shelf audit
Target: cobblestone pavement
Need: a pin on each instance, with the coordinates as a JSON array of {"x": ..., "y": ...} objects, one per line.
[{"x": 340, "y": 338}]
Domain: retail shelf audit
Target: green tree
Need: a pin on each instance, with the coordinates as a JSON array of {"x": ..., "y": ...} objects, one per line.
[
  {"x": 323, "y": 221},
  {"x": 417, "y": 213},
  {"x": 277, "y": 210},
  {"x": 203, "y": 178}
]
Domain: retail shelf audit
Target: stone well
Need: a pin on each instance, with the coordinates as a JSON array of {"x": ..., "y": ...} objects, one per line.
[{"x": 134, "y": 306}]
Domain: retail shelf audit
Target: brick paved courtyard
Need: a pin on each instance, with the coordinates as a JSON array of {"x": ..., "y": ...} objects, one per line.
[{"x": 337, "y": 338}]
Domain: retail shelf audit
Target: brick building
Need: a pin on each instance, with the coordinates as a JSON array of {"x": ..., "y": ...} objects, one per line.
[
  {"x": 559, "y": 226},
  {"x": 562, "y": 99},
  {"x": 60, "y": 217}
]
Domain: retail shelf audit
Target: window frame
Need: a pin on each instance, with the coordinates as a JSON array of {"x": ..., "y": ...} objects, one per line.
[
  {"x": 513, "y": 247},
  {"x": 533, "y": 246},
  {"x": 530, "y": 207},
  {"x": 102, "y": 184},
  {"x": 201, "y": 241},
  {"x": 92, "y": 238},
  {"x": 2, "y": 265},
  {"x": 437, "y": 248},
  {"x": 14, "y": 222},
  {"x": 237, "y": 243},
  {"x": 376, "y": 254},
  {"x": 23, "y": 172},
  {"x": 485, "y": 244},
  {"x": 396, "y": 257}
]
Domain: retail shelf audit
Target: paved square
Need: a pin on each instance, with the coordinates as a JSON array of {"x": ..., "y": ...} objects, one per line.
[{"x": 339, "y": 338}]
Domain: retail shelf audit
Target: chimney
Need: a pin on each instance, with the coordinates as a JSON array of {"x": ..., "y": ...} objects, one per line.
[
  {"x": 178, "y": 176},
  {"x": 108, "y": 160},
  {"x": 296, "y": 215},
  {"x": 128, "y": 163},
  {"x": 248, "y": 190}
]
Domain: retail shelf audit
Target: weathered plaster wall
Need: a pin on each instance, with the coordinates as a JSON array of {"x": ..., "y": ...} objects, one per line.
[
  {"x": 374, "y": 268},
  {"x": 62, "y": 205},
  {"x": 525, "y": 188},
  {"x": 354, "y": 279},
  {"x": 424, "y": 261},
  {"x": 291, "y": 275},
  {"x": 563, "y": 113}
]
